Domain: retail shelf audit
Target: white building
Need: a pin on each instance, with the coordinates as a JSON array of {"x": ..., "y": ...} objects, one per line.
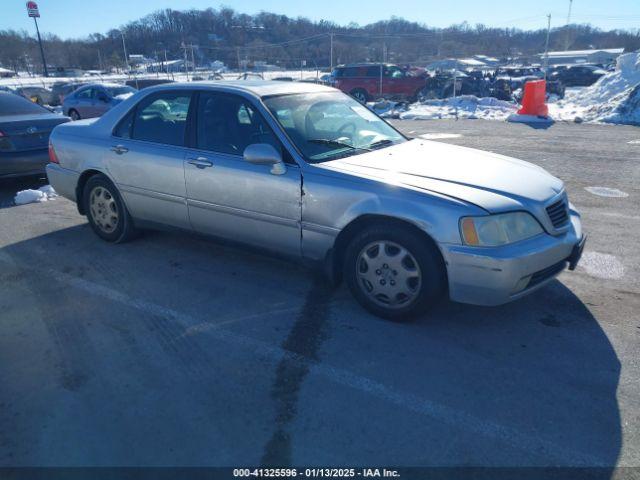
[{"x": 603, "y": 56}]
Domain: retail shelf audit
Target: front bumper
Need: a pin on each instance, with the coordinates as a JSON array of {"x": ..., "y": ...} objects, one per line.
[
  {"x": 18, "y": 164},
  {"x": 497, "y": 275}
]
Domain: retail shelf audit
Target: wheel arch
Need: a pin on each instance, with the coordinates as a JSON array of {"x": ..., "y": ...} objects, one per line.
[{"x": 335, "y": 256}]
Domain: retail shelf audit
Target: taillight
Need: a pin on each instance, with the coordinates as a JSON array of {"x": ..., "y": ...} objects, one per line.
[
  {"x": 1, "y": 134},
  {"x": 53, "y": 158}
]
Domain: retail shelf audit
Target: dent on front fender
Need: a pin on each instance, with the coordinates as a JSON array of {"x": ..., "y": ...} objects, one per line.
[{"x": 331, "y": 204}]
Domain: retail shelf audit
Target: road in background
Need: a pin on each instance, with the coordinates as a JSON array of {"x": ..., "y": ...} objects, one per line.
[{"x": 175, "y": 350}]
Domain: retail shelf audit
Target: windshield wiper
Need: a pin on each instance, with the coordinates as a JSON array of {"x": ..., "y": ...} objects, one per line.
[
  {"x": 326, "y": 141},
  {"x": 380, "y": 143}
]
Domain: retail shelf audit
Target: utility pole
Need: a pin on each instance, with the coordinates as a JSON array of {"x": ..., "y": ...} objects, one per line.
[
  {"x": 238, "y": 56},
  {"x": 546, "y": 47},
  {"x": 569, "y": 14},
  {"x": 331, "y": 48},
  {"x": 193, "y": 61},
  {"x": 567, "y": 33},
  {"x": 124, "y": 49},
  {"x": 186, "y": 61}
]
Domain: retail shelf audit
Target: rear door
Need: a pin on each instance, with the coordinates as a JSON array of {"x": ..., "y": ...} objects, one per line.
[
  {"x": 146, "y": 155},
  {"x": 84, "y": 103},
  {"x": 229, "y": 197}
]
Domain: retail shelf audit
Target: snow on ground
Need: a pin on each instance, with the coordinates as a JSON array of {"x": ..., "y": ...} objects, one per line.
[
  {"x": 615, "y": 98},
  {"x": 42, "y": 194},
  {"x": 465, "y": 106}
]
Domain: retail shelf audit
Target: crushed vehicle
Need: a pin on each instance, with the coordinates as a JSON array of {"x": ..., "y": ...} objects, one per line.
[
  {"x": 39, "y": 95},
  {"x": 62, "y": 89},
  {"x": 404, "y": 222},
  {"x": 440, "y": 85},
  {"x": 576, "y": 75},
  {"x": 518, "y": 76}
]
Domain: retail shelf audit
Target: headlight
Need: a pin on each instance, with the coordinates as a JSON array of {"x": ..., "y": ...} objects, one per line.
[{"x": 496, "y": 230}]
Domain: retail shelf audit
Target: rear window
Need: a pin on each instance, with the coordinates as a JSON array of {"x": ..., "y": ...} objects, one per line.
[{"x": 11, "y": 104}]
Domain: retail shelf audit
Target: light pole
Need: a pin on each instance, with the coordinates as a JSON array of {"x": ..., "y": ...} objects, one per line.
[{"x": 33, "y": 12}]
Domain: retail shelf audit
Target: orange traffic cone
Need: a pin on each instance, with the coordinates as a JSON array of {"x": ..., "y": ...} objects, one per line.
[{"x": 533, "y": 101}]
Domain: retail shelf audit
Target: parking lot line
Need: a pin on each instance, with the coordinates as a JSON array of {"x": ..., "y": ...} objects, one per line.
[{"x": 531, "y": 444}]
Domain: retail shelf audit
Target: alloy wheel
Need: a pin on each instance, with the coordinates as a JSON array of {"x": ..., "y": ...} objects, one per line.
[
  {"x": 388, "y": 274},
  {"x": 104, "y": 209}
]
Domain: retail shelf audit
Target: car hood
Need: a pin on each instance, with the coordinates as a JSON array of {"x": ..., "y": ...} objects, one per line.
[{"x": 491, "y": 181}]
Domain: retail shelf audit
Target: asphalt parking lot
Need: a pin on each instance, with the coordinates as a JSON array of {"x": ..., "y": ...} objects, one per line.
[{"x": 175, "y": 350}]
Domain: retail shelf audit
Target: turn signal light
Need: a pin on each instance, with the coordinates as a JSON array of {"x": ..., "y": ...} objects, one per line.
[{"x": 469, "y": 231}]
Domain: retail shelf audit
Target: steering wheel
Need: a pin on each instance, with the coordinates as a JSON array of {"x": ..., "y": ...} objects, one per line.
[{"x": 341, "y": 133}]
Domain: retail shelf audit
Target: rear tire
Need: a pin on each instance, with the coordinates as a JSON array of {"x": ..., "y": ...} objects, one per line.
[
  {"x": 106, "y": 212},
  {"x": 74, "y": 115},
  {"x": 394, "y": 272}
]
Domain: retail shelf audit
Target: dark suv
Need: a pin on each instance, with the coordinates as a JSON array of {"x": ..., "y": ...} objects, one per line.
[
  {"x": 370, "y": 81},
  {"x": 578, "y": 76}
]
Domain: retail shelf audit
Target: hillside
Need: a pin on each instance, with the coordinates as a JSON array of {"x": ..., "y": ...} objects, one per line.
[{"x": 232, "y": 37}]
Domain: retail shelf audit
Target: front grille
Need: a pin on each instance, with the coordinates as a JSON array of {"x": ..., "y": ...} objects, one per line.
[
  {"x": 546, "y": 273},
  {"x": 558, "y": 213}
]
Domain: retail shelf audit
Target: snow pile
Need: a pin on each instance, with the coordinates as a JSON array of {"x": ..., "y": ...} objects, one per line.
[
  {"x": 615, "y": 98},
  {"x": 465, "y": 106},
  {"x": 43, "y": 194}
]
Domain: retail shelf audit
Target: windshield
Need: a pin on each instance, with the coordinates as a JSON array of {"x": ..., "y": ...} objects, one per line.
[
  {"x": 326, "y": 126},
  {"x": 117, "y": 91},
  {"x": 11, "y": 104}
]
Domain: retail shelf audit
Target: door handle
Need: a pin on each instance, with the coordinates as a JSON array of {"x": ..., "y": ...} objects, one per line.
[
  {"x": 119, "y": 149},
  {"x": 200, "y": 162}
]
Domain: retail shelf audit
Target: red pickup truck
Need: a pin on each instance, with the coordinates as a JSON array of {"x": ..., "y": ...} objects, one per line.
[{"x": 370, "y": 81}]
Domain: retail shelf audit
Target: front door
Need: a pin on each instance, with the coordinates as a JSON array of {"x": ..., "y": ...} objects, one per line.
[
  {"x": 146, "y": 155},
  {"x": 229, "y": 197}
]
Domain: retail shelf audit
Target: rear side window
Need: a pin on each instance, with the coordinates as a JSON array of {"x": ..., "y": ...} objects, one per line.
[
  {"x": 160, "y": 118},
  {"x": 123, "y": 130}
]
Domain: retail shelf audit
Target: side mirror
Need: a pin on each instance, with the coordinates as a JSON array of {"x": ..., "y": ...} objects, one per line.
[{"x": 265, "y": 154}]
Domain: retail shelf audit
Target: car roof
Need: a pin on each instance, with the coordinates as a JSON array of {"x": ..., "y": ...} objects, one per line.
[
  {"x": 259, "y": 88},
  {"x": 104, "y": 84}
]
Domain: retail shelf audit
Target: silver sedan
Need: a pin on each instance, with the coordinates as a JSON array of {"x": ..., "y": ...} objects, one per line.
[{"x": 306, "y": 171}]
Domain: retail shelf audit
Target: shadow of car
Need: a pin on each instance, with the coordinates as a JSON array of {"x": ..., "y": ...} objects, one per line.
[{"x": 532, "y": 383}]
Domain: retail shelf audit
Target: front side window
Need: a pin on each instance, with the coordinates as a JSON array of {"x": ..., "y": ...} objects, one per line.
[
  {"x": 162, "y": 118},
  {"x": 228, "y": 124},
  {"x": 326, "y": 126}
]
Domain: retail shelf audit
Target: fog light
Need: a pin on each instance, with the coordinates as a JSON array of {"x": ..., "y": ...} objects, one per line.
[{"x": 522, "y": 284}]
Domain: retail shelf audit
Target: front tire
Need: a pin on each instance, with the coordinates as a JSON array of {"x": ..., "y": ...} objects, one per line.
[
  {"x": 74, "y": 115},
  {"x": 360, "y": 95},
  {"x": 106, "y": 212},
  {"x": 394, "y": 272}
]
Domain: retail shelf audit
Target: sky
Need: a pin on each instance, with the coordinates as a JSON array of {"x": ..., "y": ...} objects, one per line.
[{"x": 79, "y": 18}]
